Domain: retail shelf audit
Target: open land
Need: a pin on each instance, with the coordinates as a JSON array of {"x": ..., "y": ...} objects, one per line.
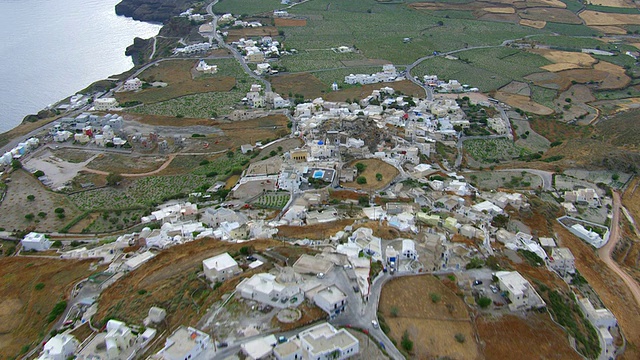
[
  {"x": 24, "y": 309},
  {"x": 373, "y": 167}
]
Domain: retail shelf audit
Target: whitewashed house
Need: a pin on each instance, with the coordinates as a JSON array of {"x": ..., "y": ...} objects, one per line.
[
  {"x": 35, "y": 241},
  {"x": 220, "y": 267}
]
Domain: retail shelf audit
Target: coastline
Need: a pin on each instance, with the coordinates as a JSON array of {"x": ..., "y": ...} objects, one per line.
[{"x": 25, "y": 126}]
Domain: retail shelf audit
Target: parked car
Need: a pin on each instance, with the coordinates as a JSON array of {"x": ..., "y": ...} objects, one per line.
[
  {"x": 374, "y": 323},
  {"x": 251, "y": 258},
  {"x": 477, "y": 282},
  {"x": 356, "y": 288},
  {"x": 494, "y": 289},
  {"x": 282, "y": 339},
  {"x": 320, "y": 275}
]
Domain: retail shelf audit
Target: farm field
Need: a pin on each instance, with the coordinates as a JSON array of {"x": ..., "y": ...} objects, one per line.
[
  {"x": 486, "y": 69},
  {"x": 432, "y": 326},
  {"x": 272, "y": 200},
  {"x": 237, "y": 34},
  {"x": 549, "y": 339},
  {"x": 505, "y": 179},
  {"x": 179, "y": 76},
  {"x": 249, "y": 7},
  {"x": 373, "y": 167},
  {"x": 16, "y": 205},
  {"x": 127, "y": 164},
  {"x": 492, "y": 150},
  {"x": 24, "y": 309}
]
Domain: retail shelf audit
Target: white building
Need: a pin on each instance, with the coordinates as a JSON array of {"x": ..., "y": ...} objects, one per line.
[
  {"x": 409, "y": 249},
  {"x": 331, "y": 299},
  {"x": 323, "y": 341},
  {"x": 205, "y": 68},
  {"x": 105, "y": 104},
  {"x": 35, "y": 241},
  {"x": 260, "y": 348},
  {"x": 119, "y": 339},
  {"x": 220, "y": 267},
  {"x": 215, "y": 217},
  {"x": 59, "y": 347},
  {"x": 289, "y": 350},
  {"x": 264, "y": 288},
  {"x": 136, "y": 261},
  {"x": 562, "y": 261},
  {"x": 522, "y": 296},
  {"x": 289, "y": 180},
  {"x": 132, "y": 85},
  {"x": 583, "y": 197},
  {"x": 186, "y": 344},
  {"x": 598, "y": 317}
]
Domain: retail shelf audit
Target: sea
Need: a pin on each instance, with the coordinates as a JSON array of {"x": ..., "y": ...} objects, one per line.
[{"x": 51, "y": 49}]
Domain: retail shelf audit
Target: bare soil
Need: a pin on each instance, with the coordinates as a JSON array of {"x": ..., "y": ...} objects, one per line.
[
  {"x": 597, "y": 18},
  {"x": 280, "y": 22},
  {"x": 373, "y": 167}
]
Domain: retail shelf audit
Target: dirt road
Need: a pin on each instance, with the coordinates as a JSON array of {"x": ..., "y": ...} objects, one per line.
[{"x": 605, "y": 252}]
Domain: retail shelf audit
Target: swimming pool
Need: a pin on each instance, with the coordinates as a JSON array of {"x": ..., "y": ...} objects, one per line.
[{"x": 318, "y": 174}]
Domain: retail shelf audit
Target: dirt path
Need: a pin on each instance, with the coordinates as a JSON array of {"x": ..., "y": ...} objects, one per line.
[
  {"x": 162, "y": 167},
  {"x": 605, "y": 252}
]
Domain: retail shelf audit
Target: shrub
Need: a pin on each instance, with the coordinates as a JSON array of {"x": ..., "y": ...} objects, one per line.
[
  {"x": 204, "y": 162},
  {"x": 360, "y": 167},
  {"x": 379, "y": 177},
  {"x": 57, "y": 244},
  {"x": 459, "y": 337},
  {"x": 483, "y": 302},
  {"x": 435, "y": 297},
  {"x": 42, "y": 214},
  {"x": 142, "y": 292},
  {"x": 29, "y": 216},
  {"x": 39, "y": 286},
  {"x": 31, "y": 197},
  {"x": 361, "y": 180},
  {"x": 394, "y": 311},
  {"x": 59, "y": 210},
  {"x": 57, "y": 310},
  {"x": 406, "y": 342},
  {"x": 38, "y": 173}
]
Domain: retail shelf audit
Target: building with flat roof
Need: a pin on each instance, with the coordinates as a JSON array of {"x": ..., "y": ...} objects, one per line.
[
  {"x": 260, "y": 348},
  {"x": 266, "y": 289},
  {"x": 186, "y": 343},
  {"x": 35, "y": 241},
  {"x": 135, "y": 262},
  {"x": 323, "y": 341},
  {"x": 289, "y": 350},
  {"x": 331, "y": 299},
  {"x": 562, "y": 261},
  {"x": 59, "y": 347},
  {"x": 220, "y": 267},
  {"x": 521, "y": 295}
]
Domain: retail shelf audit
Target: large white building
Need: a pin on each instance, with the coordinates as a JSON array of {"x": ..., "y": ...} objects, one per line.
[
  {"x": 323, "y": 341},
  {"x": 265, "y": 288},
  {"x": 522, "y": 296},
  {"x": 59, "y": 347},
  {"x": 35, "y": 241},
  {"x": 186, "y": 344},
  {"x": 132, "y": 85},
  {"x": 220, "y": 267}
]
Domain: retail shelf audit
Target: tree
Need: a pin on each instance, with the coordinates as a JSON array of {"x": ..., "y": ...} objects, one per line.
[
  {"x": 615, "y": 177},
  {"x": 435, "y": 297},
  {"x": 114, "y": 179},
  {"x": 360, "y": 167},
  {"x": 38, "y": 173},
  {"x": 379, "y": 177},
  {"x": 31, "y": 197},
  {"x": 459, "y": 337},
  {"x": 57, "y": 244},
  {"x": 361, "y": 180},
  {"x": 363, "y": 200},
  {"x": 15, "y": 164},
  {"x": 230, "y": 154},
  {"x": 406, "y": 342},
  {"x": 59, "y": 211},
  {"x": 483, "y": 302},
  {"x": 42, "y": 214},
  {"x": 29, "y": 216}
]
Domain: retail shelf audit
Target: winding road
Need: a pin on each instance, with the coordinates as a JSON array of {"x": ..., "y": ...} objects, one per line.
[{"x": 605, "y": 252}]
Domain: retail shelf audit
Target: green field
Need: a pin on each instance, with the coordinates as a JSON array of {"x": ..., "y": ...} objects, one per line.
[
  {"x": 276, "y": 200},
  {"x": 486, "y": 69},
  {"x": 247, "y": 7},
  {"x": 324, "y": 58},
  {"x": 203, "y": 105},
  {"x": 492, "y": 150},
  {"x": 543, "y": 96}
]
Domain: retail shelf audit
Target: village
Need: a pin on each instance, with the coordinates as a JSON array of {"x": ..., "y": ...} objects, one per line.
[{"x": 386, "y": 172}]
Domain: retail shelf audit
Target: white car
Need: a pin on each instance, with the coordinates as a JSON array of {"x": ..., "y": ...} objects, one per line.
[
  {"x": 320, "y": 275},
  {"x": 374, "y": 323}
]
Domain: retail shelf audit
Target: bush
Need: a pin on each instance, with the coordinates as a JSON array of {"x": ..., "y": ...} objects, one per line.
[
  {"x": 406, "y": 342},
  {"x": 361, "y": 180},
  {"x": 38, "y": 173},
  {"x": 483, "y": 302},
  {"x": 59, "y": 210},
  {"x": 31, "y": 197},
  {"x": 475, "y": 263},
  {"x": 459, "y": 337},
  {"x": 57, "y": 310},
  {"x": 394, "y": 311},
  {"x": 42, "y": 214},
  {"x": 142, "y": 292},
  {"x": 39, "y": 286},
  {"x": 360, "y": 167},
  {"x": 379, "y": 177},
  {"x": 29, "y": 216},
  {"x": 204, "y": 162},
  {"x": 435, "y": 297},
  {"x": 57, "y": 244}
]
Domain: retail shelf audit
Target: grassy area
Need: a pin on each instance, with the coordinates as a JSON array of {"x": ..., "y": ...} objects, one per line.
[
  {"x": 275, "y": 200},
  {"x": 487, "y": 69},
  {"x": 571, "y": 29},
  {"x": 247, "y": 7},
  {"x": 492, "y": 150},
  {"x": 203, "y": 105},
  {"x": 543, "y": 96},
  {"x": 569, "y": 42},
  {"x": 611, "y": 9},
  {"x": 321, "y": 58},
  {"x": 333, "y": 24}
]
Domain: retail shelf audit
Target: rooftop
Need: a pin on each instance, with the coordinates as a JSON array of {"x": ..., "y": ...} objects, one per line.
[
  {"x": 220, "y": 262},
  {"x": 182, "y": 341},
  {"x": 324, "y": 337}
]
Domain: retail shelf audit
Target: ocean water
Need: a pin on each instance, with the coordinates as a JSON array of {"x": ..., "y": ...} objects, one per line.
[{"x": 50, "y": 49}]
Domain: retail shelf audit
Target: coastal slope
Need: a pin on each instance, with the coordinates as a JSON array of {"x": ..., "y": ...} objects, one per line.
[{"x": 152, "y": 10}]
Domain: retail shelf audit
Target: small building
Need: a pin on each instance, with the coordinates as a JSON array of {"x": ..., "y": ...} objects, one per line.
[
  {"x": 264, "y": 288},
  {"x": 299, "y": 155},
  {"x": 323, "y": 341},
  {"x": 205, "y": 68},
  {"x": 186, "y": 343},
  {"x": 135, "y": 262},
  {"x": 289, "y": 350},
  {"x": 260, "y": 348},
  {"x": 36, "y": 242},
  {"x": 598, "y": 317},
  {"x": 583, "y": 197},
  {"x": 331, "y": 299},
  {"x": 409, "y": 249},
  {"x": 245, "y": 148},
  {"x": 119, "y": 339},
  {"x": 220, "y": 267},
  {"x": 391, "y": 255},
  {"x": 521, "y": 295},
  {"x": 562, "y": 261},
  {"x": 132, "y": 85},
  {"x": 59, "y": 347},
  {"x": 105, "y": 104}
]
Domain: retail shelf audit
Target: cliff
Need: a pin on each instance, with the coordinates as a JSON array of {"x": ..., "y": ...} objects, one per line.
[{"x": 152, "y": 10}]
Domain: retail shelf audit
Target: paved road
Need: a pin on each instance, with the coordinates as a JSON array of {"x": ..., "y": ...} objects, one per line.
[
  {"x": 605, "y": 252},
  {"x": 233, "y": 50}
]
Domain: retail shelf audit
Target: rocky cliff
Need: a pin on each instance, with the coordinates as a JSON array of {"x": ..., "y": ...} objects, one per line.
[{"x": 152, "y": 10}]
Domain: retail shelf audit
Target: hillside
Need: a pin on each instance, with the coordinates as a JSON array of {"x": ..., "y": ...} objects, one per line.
[{"x": 152, "y": 10}]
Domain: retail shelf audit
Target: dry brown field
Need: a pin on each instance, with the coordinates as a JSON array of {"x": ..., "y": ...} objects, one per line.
[
  {"x": 290, "y": 22},
  {"x": 23, "y": 309},
  {"x": 236, "y": 34},
  {"x": 550, "y": 14},
  {"x": 126, "y": 164},
  {"x": 595, "y": 18},
  {"x": 374, "y": 166},
  {"x": 523, "y": 102},
  {"x": 536, "y": 24},
  {"x": 614, "y": 3},
  {"x": 314, "y": 232},
  {"x": 611, "y": 30},
  {"x": 301, "y": 83},
  {"x": 177, "y": 74},
  {"x": 431, "y": 326}
]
